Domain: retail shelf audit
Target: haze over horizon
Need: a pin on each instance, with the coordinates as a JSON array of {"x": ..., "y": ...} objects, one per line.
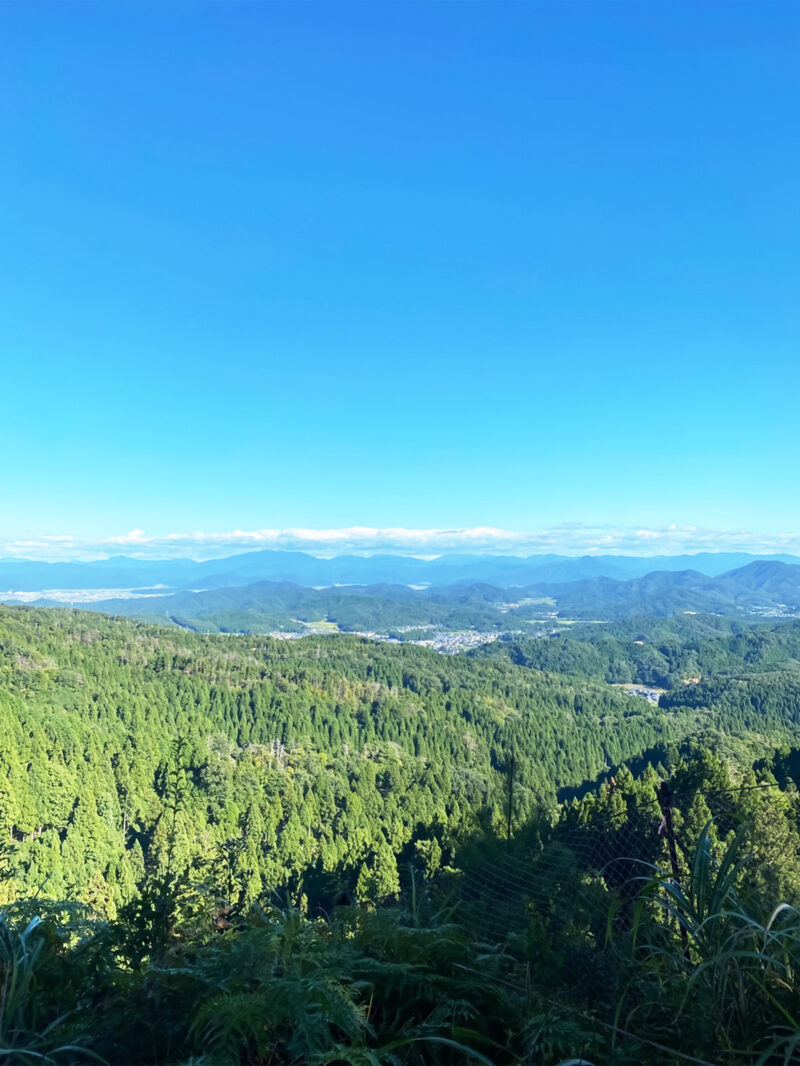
[{"x": 567, "y": 540}]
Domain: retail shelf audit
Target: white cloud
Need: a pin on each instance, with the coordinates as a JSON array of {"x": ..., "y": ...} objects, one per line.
[
  {"x": 136, "y": 536},
  {"x": 568, "y": 538}
]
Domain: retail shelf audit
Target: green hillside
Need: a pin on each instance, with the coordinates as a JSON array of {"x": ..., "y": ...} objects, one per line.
[
  {"x": 280, "y": 606},
  {"x": 664, "y": 652},
  {"x": 346, "y": 751},
  {"x": 239, "y": 850}
]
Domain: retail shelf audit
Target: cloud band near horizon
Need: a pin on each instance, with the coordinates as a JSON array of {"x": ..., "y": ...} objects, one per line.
[{"x": 562, "y": 539}]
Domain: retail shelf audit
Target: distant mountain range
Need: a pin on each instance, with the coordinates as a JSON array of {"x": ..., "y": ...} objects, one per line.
[
  {"x": 763, "y": 587},
  {"x": 123, "y": 572}
]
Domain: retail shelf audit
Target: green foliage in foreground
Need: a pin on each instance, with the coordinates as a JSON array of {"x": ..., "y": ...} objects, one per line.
[
  {"x": 410, "y": 983},
  {"x": 736, "y": 977}
]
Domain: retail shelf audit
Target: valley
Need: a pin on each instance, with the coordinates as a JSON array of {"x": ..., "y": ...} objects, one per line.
[{"x": 459, "y": 615}]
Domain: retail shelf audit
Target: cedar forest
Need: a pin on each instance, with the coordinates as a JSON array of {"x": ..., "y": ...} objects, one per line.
[{"x": 236, "y": 849}]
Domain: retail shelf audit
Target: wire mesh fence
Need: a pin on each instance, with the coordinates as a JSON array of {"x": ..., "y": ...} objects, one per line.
[
  {"x": 616, "y": 851},
  {"x": 547, "y": 865},
  {"x": 568, "y": 888}
]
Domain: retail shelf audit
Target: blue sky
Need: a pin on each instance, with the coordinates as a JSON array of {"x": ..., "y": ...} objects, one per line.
[{"x": 530, "y": 267}]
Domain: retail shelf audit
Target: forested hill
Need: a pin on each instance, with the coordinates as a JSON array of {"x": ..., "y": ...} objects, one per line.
[
  {"x": 341, "y": 751},
  {"x": 772, "y": 587},
  {"x": 269, "y": 606},
  {"x": 664, "y": 652},
  {"x": 337, "y": 754},
  {"x": 193, "y": 814}
]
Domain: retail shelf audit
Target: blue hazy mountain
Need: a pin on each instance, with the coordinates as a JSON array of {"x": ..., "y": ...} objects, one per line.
[
  {"x": 308, "y": 570},
  {"x": 761, "y": 587}
]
